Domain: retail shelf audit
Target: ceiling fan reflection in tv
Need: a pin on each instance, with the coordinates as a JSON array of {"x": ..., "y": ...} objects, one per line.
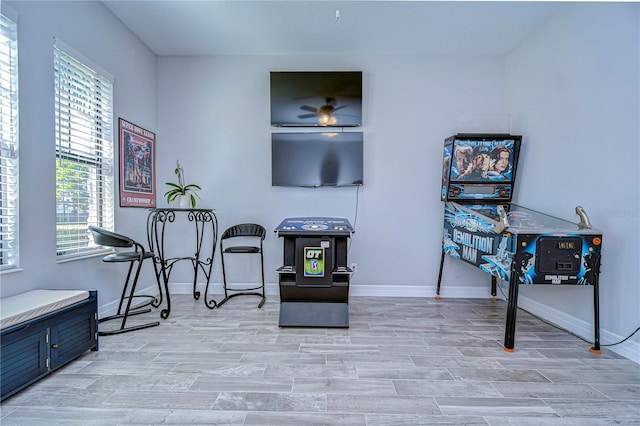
[
  {"x": 326, "y": 113},
  {"x": 329, "y": 98}
]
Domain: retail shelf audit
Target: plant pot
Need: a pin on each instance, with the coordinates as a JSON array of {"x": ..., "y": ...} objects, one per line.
[{"x": 183, "y": 201}]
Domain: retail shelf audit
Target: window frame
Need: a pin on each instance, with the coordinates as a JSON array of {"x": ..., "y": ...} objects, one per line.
[{"x": 84, "y": 137}]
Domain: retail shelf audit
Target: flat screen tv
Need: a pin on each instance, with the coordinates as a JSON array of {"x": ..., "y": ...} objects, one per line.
[
  {"x": 317, "y": 159},
  {"x": 316, "y": 98}
]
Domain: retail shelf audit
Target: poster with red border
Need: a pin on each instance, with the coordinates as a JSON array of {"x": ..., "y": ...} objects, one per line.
[{"x": 137, "y": 165}]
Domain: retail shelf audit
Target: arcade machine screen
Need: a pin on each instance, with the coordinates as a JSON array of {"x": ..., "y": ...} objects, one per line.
[{"x": 479, "y": 167}]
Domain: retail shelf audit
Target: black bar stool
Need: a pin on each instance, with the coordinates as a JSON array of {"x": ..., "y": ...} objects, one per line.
[
  {"x": 245, "y": 232},
  {"x": 106, "y": 238}
]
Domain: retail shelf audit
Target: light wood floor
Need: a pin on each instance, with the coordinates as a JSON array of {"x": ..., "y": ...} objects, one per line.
[{"x": 403, "y": 361}]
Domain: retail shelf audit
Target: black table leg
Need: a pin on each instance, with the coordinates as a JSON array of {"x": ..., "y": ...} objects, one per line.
[{"x": 156, "y": 226}]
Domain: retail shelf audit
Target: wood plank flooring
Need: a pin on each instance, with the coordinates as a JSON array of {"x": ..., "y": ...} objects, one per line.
[{"x": 402, "y": 361}]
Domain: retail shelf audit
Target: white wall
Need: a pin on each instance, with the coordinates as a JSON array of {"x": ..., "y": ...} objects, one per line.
[
  {"x": 213, "y": 114},
  {"x": 92, "y": 30},
  {"x": 573, "y": 89}
]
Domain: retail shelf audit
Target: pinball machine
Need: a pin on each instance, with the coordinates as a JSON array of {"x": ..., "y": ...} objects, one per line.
[{"x": 507, "y": 241}]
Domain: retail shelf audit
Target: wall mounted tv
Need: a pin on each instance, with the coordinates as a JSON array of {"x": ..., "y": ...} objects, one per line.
[
  {"x": 317, "y": 159},
  {"x": 322, "y": 98}
]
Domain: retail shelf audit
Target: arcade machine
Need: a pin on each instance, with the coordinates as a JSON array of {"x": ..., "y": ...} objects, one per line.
[
  {"x": 510, "y": 242},
  {"x": 314, "y": 280}
]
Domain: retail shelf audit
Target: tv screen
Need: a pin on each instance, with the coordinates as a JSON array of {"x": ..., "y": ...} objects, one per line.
[
  {"x": 316, "y": 159},
  {"x": 323, "y": 98}
]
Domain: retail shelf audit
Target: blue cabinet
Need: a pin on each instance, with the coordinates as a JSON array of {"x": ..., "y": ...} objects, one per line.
[{"x": 32, "y": 350}]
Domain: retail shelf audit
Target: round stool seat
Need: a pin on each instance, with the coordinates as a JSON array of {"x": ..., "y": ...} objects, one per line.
[
  {"x": 242, "y": 249},
  {"x": 126, "y": 256}
]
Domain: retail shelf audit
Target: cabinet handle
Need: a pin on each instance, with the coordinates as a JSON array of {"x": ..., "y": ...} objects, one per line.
[{"x": 55, "y": 346}]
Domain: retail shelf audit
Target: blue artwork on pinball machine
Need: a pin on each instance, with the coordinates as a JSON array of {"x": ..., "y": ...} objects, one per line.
[{"x": 507, "y": 241}]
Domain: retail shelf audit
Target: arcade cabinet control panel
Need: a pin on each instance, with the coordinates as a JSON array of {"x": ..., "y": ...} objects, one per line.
[{"x": 314, "y": 224}]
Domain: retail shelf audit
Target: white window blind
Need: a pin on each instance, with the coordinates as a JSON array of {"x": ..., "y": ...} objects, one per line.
[
  {"x": 84, "y": 152},
  {"x": 9, "y": 254}
]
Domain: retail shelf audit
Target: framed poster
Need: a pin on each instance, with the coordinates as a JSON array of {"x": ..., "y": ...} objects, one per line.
[{"x": 137, "y": 165}]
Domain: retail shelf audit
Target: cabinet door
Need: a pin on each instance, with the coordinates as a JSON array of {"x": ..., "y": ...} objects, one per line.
[
  {"x": 73, "y": 335},
  {"x": 23, "y": 359}
]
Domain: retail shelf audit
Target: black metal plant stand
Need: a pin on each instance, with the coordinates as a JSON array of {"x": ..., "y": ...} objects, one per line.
[{"x": 203, "y": 219}]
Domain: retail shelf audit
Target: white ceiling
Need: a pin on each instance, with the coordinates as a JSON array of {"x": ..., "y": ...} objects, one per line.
[{"x": 239, "y": 27}]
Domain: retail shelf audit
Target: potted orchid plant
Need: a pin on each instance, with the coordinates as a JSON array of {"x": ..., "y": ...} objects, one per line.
[{"x": 185, "y": 193}]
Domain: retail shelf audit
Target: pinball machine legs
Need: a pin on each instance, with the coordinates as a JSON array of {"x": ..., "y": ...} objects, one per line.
[
  {"x": 512, "y": 309},
  {"x": 494, "y": 287},
  {"x": 596, "y": 316},
  {"x": 494, "y": 281},
  {"x": 440, "y": 275}
]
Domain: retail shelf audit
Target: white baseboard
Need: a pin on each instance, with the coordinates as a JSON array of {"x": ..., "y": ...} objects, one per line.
[
  {"x": 273, "y": 289},
  {"x": 628, "y": 349}
]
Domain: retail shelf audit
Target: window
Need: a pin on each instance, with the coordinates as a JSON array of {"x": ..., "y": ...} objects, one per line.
[
  {"x": 9, "y": 255},
  {"x": 84, "y": 151}
]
